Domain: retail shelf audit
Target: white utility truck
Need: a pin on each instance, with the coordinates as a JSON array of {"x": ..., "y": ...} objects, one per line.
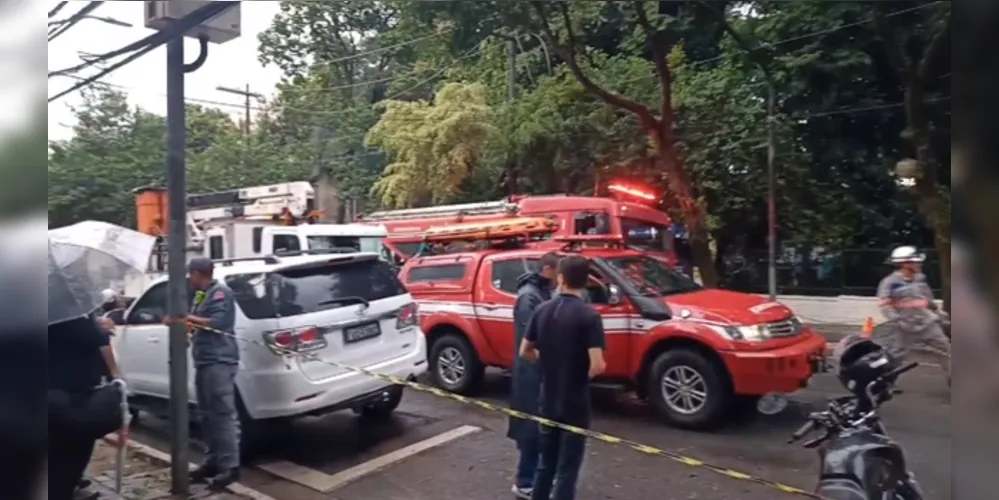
[{"x": 255, "y": 221}]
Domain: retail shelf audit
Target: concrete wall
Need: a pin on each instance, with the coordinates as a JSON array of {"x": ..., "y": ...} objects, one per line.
[{"x": 844, "y": 309}]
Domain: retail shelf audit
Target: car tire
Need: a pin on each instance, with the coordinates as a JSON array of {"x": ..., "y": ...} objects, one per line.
[
  {"x": 703, "y": 376},
  {"x": 383, "y": 409},
  {"x": 456, "y": 350}
]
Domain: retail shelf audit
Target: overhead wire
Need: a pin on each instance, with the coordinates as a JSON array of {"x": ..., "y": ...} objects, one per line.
[
  {"x": 71, "y": 21},
  {"x": 148, "y": 44},
  {"x": 59, "y": 6}
]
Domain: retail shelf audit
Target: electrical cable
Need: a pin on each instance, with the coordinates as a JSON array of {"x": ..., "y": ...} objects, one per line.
[
  {"x": 55, "y": 10},
  {"x": 176, "y": 29},
  {"x": 72, "y": 20}
]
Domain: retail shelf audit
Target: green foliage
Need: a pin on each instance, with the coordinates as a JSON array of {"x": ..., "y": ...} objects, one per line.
[
  {"x": 434, "y": 146},
  {"x": 379, "y": 96}
]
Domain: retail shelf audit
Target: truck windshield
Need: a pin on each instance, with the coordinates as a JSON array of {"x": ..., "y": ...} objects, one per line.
[
  {"x": 357, "y": 243},
  {"x": 653, "y": 278},
  {"x": 646, "y": 235}
]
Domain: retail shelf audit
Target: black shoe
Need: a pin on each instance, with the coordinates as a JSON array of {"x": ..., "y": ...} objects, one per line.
[
  {"x": 223, "y": 480},
  {"x": 204, "y": 473}
]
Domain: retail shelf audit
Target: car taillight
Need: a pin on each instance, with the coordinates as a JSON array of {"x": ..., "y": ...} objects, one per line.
[
  {"x": 299, "y": 340},
  {"x": 407, "y": 316}
]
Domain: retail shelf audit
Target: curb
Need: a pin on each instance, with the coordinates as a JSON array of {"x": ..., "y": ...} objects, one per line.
[{"x": 159, "y": 456}]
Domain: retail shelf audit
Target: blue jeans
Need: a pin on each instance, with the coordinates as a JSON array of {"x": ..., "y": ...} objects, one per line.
[
  {"x": 562, "y": 456},
  {"x": 530, "y": 450}
]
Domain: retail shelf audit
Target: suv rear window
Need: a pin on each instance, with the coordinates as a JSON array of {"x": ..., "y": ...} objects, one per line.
[
  {"x": 315, "y": 288},
  {"x": 449, "y": 272}
]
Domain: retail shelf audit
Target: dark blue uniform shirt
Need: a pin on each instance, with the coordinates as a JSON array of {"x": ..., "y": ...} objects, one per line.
[
  {"x": 208, "y": 347},
  {"x": 564, "y": 329}
]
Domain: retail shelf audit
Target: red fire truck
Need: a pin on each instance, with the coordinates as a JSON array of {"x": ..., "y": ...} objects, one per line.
[{"x": 633, "y": 224}]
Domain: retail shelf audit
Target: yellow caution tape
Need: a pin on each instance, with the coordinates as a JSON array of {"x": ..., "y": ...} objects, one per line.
[{"x": 599, "y": 436}]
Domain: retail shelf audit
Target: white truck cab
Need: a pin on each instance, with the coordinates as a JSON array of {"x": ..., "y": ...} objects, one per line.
[
  {"x": 235, "y": 239},
  {"x": 255, "y": 222}
]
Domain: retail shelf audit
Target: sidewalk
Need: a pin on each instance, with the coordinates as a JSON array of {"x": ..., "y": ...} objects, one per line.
[{"x": 145, "y": 478}]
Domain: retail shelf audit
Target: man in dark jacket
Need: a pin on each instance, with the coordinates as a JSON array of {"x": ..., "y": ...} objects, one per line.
[{"x": 533, "y": 288}]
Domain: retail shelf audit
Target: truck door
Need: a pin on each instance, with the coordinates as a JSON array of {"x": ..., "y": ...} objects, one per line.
[
  {"x": 616, "y": 313},
  {"x": 495, "y": 295}
]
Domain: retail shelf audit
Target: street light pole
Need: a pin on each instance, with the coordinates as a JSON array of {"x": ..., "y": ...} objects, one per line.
[
  {"x": 771, "y": 194},
  {"x": 176, "y": 256}
]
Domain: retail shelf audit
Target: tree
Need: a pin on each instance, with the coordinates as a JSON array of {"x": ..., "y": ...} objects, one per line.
[
  {"x": 917, "y": 73},
  {"x": 658, "y": 124},
  {"x": 435, "y": 146}
]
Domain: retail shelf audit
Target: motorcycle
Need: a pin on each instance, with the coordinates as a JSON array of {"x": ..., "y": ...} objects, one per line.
[{"x": 858, "y": 460}]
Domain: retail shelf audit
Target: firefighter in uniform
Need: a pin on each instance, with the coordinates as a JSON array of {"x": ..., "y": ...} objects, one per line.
[
  {"x": 906, "y": 299},
  {"x": 216, "y": 360}
]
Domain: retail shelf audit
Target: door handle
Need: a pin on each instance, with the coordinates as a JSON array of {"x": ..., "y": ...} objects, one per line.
[
  {"x": 490, "y": 307},
  {"x": 153, "y": 340}
]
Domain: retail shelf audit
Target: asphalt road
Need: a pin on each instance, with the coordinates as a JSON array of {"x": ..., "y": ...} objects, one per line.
[{"x": 477, "y": 466}]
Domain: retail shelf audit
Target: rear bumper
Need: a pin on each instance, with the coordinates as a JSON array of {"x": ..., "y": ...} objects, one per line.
[
  {"x": 784, "y": 370},
  {"x": 286, "y": 392}
]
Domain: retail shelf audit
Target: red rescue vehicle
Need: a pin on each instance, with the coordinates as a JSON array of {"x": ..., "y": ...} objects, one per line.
[
  {"x": 629, "y": 223},
  {"x": 695, "y": 353}
]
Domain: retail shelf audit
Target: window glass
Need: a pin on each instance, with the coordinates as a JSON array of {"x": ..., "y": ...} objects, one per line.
[
  {"x": 153, "y": 303},
  {"x": 646, "y": 235},
  {"x": 407, "y": 249},
  {"x": 449, "y": 272},
  {"x": 286, "y": 243},
  {"x": 314, "y": 288},
  {"x": 507, "y": 272},
  {"x": 215, "y": 251},
  {"x": 258, "y": 233},
  {"x": 653, "y": 278}
]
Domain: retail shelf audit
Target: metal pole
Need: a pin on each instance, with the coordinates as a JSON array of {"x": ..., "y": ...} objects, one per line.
[
  {"x": 177, "y": 244},
  {"x": 246, "y": 124},
  {"x": 771, "y": 195},
  {"x": 511, "y": 70}
]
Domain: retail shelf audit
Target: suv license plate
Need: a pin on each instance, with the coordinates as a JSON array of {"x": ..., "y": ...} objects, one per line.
[{"x": 361, "y": 332}]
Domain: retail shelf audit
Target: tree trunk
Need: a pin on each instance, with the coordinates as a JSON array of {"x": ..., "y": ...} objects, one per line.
[
  {"x": 927, "y": 185},
  {"x": 682, "y": 187}
]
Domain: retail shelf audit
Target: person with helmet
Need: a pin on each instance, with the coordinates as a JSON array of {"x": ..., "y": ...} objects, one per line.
[{"x": 906, "y": 299}]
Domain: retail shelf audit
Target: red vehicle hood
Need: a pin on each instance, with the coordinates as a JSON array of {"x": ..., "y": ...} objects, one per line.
[{"x": 729, "y": 307}]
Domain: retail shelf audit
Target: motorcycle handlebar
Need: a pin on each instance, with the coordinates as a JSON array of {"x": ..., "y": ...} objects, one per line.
[
  {"x": 902, "y": 369},
  {"x": 804, "y": 429}
]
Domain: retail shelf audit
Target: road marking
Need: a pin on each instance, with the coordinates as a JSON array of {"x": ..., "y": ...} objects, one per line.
[
  {"x": 325, "y": 483},
  {"x": 158, "y": 455}
]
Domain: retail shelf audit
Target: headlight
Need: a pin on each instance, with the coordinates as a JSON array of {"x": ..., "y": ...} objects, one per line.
[{"x": 753, "y": 333}]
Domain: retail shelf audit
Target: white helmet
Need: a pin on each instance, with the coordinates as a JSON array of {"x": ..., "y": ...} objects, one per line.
[
  {"x": 906, "y": 253},
  {"x": 107, "y": 295}
]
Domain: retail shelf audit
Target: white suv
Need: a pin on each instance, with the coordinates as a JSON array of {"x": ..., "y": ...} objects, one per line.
[{"x": 348, "y": 308}]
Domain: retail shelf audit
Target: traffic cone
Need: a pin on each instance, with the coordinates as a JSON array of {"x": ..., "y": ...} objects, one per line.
[{"x": 868, "y": 329}]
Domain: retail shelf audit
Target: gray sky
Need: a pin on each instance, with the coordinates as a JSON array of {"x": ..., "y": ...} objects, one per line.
[{"x": 233, "y": 64}]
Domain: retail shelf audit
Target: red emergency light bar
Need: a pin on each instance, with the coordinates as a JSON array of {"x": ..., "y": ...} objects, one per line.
[{"x": 630, "y": 191}]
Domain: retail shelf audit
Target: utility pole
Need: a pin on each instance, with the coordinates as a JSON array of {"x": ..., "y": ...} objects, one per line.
[
  {"x": 208, "y": 22},
  {"x": 247, "y": 107},
  {"x": 176, "y": 182},
  {"x": 771, "y": 194}
]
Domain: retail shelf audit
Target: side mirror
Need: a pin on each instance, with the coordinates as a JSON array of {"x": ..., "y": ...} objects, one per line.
[
  {"x": 614, "y": 296},
  {"x": 117, "y": 316}
]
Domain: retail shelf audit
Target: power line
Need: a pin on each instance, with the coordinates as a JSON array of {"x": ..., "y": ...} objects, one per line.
[
  {"x": 176, "y": 29},
  {"x": 72, "y": 20},
  {"x": 55, "y": 10}
]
